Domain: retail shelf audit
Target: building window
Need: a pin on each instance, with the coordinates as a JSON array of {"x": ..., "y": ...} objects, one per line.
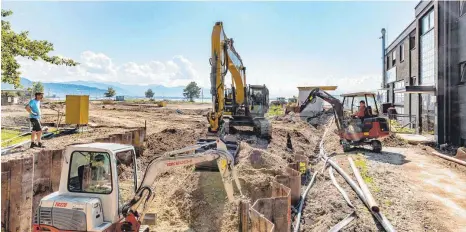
[
  {"x": 402, "y": 52},
  {"x": 388, "y": 62},
  {"x": 427, "y": 47},
  {"x": 399, "y": 84},
  {"x": 428, "y": 22},
  {"x": 412, "y": 42},
  {"x": 462, "y": 7},
  {"x": 463, "y": 72},
  {"x": 400, "y": 109},
  {"x": 394, "y": 57},
  {"x": 399, "y": 99}
]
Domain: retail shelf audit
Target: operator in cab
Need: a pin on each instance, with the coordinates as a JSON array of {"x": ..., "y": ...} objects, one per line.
[{"x": 362, "y": 110}]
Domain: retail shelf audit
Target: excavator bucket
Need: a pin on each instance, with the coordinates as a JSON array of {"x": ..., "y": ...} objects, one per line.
[{"x": 212, "y": 166}]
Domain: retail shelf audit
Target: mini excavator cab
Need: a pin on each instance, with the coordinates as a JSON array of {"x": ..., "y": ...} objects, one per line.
[{"x": 351, "y": 103}]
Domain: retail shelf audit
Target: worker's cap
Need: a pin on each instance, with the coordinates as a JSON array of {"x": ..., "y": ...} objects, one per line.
[{"x": 99, "y": 158}]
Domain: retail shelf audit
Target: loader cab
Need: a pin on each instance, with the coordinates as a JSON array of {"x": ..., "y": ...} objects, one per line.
[
  {"x": 351, "y": 103},
  {"x": 106, "y": 171}
]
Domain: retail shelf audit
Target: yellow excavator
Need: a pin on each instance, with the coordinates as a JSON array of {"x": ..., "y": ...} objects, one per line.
[{"x": 240, "y": 105}]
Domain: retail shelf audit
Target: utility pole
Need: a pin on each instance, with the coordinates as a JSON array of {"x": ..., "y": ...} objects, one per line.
[{"x": 202, "y": 95}]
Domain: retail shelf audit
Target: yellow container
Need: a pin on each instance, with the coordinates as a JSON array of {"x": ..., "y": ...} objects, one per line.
[{"x": 77, "y": 109}]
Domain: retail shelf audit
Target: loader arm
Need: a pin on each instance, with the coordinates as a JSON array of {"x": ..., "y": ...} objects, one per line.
[
  {"x": 336, "y": 105},
  {"x": 224, "y": 58},
  {"x": 173, "y": 159}
]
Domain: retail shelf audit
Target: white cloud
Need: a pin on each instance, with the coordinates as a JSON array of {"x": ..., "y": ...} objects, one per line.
[
  {"x": 99, "y": 67},
  {"x": 282, "y": 77}
]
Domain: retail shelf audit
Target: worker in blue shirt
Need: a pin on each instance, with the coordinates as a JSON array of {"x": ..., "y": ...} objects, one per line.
[{"x": 33, "y": 107}]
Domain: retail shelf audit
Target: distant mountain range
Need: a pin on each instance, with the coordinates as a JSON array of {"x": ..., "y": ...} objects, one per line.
[{"x": 97, "y": 89}]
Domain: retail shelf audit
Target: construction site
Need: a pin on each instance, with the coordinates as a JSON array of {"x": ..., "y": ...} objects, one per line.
[
  {"x": 317, "y": 161},
  {"x": 414, "y": 189}
]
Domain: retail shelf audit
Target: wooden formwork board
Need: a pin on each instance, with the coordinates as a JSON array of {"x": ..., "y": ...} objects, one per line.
[
  {"x": 293, "y": 181},
  {"x": 42, "y": 183},
  {"x": 272, "y": 214},
  {"x": 5, "y": 199}
]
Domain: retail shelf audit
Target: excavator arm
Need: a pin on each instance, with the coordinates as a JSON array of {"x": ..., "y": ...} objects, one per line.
[
  {"x": 144, "y": 193},
  {"x": 224, "y": 58},
  {"x": 336, "y": 104}
]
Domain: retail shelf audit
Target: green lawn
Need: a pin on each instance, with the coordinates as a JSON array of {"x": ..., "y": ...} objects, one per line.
[
  {"x": 9, "y": 134},
  {"x": 275, "y": 111}
]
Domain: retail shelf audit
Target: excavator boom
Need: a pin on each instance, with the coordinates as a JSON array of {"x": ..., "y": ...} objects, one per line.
[
  {"x": 336, "y": 104},
  {"x": 144, "y": 193}
]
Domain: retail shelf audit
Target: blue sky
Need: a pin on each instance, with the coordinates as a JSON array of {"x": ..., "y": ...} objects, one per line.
[{"x": 283, "y": 44}]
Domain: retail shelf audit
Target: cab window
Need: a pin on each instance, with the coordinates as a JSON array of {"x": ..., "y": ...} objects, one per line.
[
  {"x": 90, "y": 172},
  {"x": 127, "y": 178}
]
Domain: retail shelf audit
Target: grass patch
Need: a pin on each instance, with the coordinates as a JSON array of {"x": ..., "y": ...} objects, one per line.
[
  {"x": 396, "y": 127},
  {"x": 11, "y": 134},
  {"x": 275, "y": 111},
  {"x": 361, "y": 164}
]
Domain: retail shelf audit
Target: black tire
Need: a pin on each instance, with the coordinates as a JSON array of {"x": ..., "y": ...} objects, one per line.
[{"x": 376, "y": 146}]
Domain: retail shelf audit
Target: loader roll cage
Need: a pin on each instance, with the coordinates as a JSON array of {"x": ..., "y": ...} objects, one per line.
[{"x": 368, "y": 97}]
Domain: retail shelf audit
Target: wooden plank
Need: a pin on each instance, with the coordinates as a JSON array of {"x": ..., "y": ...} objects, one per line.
[
  {"x": 281, "y": 207},
  {"x": 142, "y": 135},
  {"x": 295, "y": 185},
  {"x": 57, "y": 160},
  {"x": 127, "y": 138},
  {"x": 16, "y": 169},
  {"x": 244, "y": 216},
  {"x": 26, "y": 194},
  {"x": 5, "y": 185},
  {"x": 42, "y": 184},
  {"x": 118, "y": 138},
  {"x": 136, "y": 139},
  {"x": 259, "y": 223}
]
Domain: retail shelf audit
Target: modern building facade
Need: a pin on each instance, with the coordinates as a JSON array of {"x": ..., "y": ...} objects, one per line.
[{"x": 424, "y": 71}]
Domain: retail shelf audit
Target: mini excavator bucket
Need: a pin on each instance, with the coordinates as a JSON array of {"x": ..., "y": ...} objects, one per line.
[{"x": 211, "y": 166}]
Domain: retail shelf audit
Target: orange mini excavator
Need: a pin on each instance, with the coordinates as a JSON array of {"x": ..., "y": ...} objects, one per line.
[{"x": 354, "y": 131}]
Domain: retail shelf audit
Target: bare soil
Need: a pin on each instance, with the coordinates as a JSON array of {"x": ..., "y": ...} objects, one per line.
[{"x": 415, "y": 190}]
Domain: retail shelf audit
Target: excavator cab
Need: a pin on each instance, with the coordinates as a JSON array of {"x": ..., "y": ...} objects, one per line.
[
  {"x": 259, "y": 100},
  {"x": 351, "y": 103}
]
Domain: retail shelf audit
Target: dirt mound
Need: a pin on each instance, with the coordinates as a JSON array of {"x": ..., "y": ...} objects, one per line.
[
  {"x": 170, "y": 139},
  {"x": 394, "y": 141}
]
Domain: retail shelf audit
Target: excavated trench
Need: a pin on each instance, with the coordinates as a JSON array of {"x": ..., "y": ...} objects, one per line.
[{"x": 196, "y": 201}]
